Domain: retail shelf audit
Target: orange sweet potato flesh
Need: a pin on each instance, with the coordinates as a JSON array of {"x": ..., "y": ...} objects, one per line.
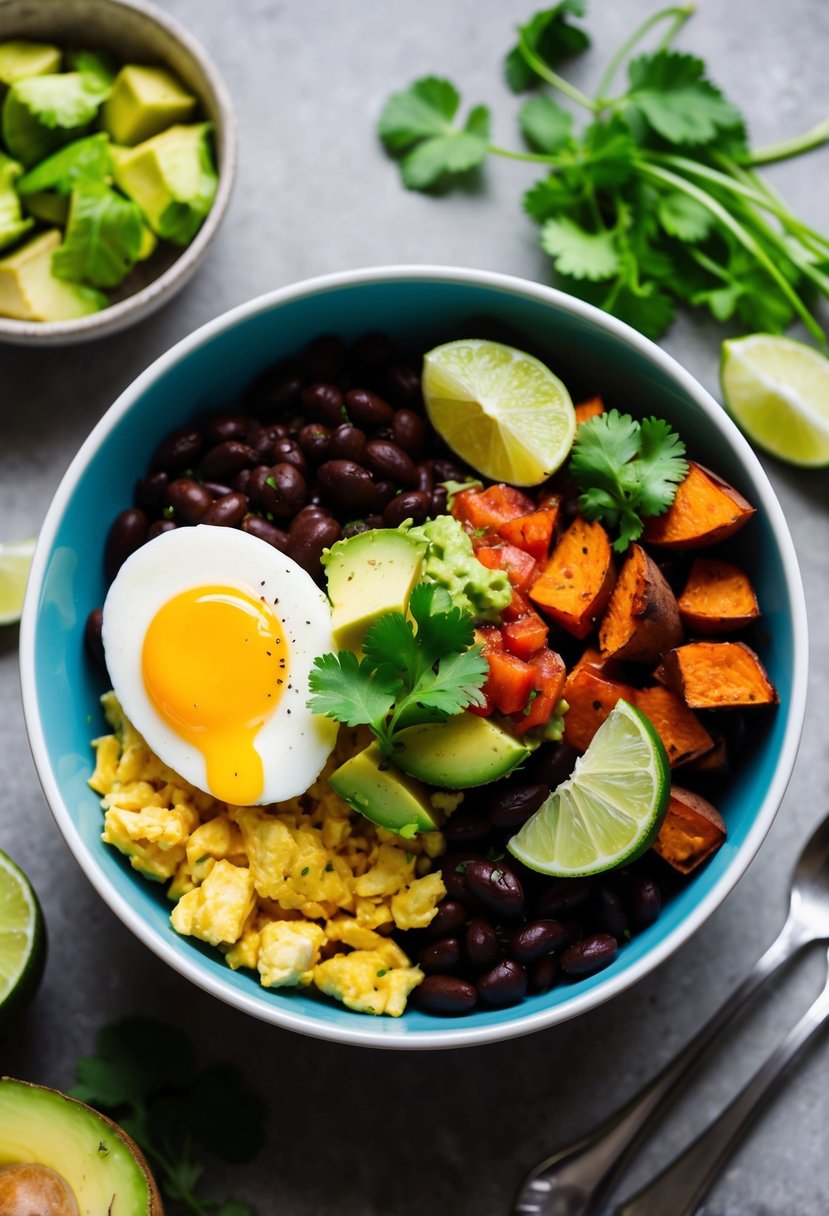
[
  {"x": 691, "y": 831},
  {"x": 718, "y": 597},
  {"x": 588, "y": 409},
  {"x": 575, "y": 583},
  {"x": 681, "y": 731},
  {"x": 717, "y": 675},
  {"x": 706, "y": 510},
  {"x": 641, "y": 621}
]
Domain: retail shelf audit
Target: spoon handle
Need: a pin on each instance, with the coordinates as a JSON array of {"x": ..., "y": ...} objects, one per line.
[{"x": 679, "y": 1189}]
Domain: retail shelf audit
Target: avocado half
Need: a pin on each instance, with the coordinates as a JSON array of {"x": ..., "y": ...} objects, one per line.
[{"x": 103, "y": 1167}]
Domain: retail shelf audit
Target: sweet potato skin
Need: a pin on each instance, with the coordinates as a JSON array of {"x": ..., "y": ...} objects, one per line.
[
  {"x": 641, "y": 621},
  {"x": 575, "y": 584},
  {"x": 718, "y": 598},
  {"x": 717, "y": 675},
  {"x": 706, "y": 510},
  {"x": 691, "y": 831}
]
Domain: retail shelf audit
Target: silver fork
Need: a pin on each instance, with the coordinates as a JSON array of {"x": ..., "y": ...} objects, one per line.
[{"x": 577, "y": 1179}]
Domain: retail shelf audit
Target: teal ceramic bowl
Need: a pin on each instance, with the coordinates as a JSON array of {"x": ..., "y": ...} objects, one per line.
[{"x": 422, "y": 306}]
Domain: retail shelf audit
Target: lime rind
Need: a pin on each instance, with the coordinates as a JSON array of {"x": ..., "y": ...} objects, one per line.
[
  {"x": 22, "y": 937},
  {"x": 608, "y": 812},
  {"x": 15, "y": 562}
]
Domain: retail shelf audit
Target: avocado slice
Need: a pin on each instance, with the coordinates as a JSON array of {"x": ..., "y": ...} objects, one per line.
[
  {"x": 369, "y": 574},
  {"x": 103, "y": 1168},
  {"x": 172, "y": 179},
  {"x": 13, "y": 225},
  {"x": 144, "y": 102},
  {"x": 464, "y": 751},
  {"x": 30, "y": 292},
  {"x": 380, "y": 792},
  {"x": 20, "y": 59},
  {"x": 49, "y": 207}
]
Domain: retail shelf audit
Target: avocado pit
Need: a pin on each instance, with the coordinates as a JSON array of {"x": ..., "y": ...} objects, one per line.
[{"x": 26, "y": 1189}]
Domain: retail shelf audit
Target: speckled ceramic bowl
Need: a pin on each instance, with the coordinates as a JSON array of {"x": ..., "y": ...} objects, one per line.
[
  {"x": 420, "y": 306},
  {"x": 133, "y": 31}
]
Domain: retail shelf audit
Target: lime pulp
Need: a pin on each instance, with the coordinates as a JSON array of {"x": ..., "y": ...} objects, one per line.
[{"x": 22, "y": 937}]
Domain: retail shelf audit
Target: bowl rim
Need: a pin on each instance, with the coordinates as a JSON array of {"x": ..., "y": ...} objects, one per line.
[
  {"x": 141, "y": 303},
  {"x": 455, "y": 1035}
]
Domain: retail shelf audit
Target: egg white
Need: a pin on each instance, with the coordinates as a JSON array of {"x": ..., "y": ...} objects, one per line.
[{"x": 293, "y": 743}]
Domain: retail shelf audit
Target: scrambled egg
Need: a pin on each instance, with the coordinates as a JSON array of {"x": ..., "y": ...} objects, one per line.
[{"x": 304, "y": 892}]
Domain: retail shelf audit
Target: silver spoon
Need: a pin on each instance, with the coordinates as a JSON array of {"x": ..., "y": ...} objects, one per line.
[{"x": 577, "y": 1179}]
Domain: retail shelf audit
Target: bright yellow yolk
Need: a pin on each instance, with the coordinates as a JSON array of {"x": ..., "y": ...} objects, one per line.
[{"x": 214, "y": 662}]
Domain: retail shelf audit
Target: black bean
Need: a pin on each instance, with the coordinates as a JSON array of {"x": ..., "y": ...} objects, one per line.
[
  {"x": 189, "y": 500},
  {"x": 645, "y": 900},
  {"x": 257, "y": 526},
  {"x": 127, "y": 533},
  {"x": 448, "y": 470},
  {"x": 374, "y": 521},
  {"x": 445, "y": 994},
  {"x": 288, "y": 451},
  {"x": 355, "y": 528},
  {"x": 366, "y": 409},
  {"x": 276, "y": 390},
  {"x": 286, "y": 490},
  {"x": 180, "y": 450},
  {"x": 453, "y": 870},
  {"x": 496, "y": 886},
  {"x": 543, "y": 975},
  {"x": 589, "y": 955},
  {"x": 449, "y": 919},
  {"x": 504, "y": 984},
  {"x": 384, "y": 492},
  {"x": 390, "y": 463},
  {"x": 314, "y": 440},
  {"x": 220, "y": 427},
  {"x": 161, "y": 525},
  {"x": 265, "y": 437},
  {"x": 150, "y": 491},
  {"x": 609, "y": 912},
  {"x": 312, "y": 511},
  {"x": 347, "y": 443},
  {"x": 346, "y": 485},
  {"x": 409, "y": 431},
  {"x": 537, "y": 938},
  {"x": 306, "y": 542},
  {"x": 481, "y": 946},
  {"x": 324, "y": 403},
  {"x": 563, "y": 895},
  {"x": 325, "y": 357},
  {"x": 227, "y": 512},
  {"x": 216, "y": 489},
  {"x": 93, "y": 637},
  {"x": 553, "y": 763},
  {"x": 227, "y": 459},
  {"x": 440, "y": 956},
  {"x": 425, "y": 476},
  {"x": 403, "y": 384},
  {"x": 411, "y": 504},
  {"x": 439, "y": 501},
  {"x": 465, "y": 827},
  {"x": 513, "y": 805},
  {"x": 241, "y": 482}
]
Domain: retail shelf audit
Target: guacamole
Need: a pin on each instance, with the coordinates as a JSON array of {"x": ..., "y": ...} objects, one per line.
[{"x": 451, "y": 563}]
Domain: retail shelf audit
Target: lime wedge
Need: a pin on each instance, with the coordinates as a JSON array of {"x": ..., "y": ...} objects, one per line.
[
  {"x": 22, "y": 938},
  {"x": 609, "y": 810},
  {"x": 500, "y": 410},
  {"x": 15, "y": 560},
  {"x": 777, "y": 391}
]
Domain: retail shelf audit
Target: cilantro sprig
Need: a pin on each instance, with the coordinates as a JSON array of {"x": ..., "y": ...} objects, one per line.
[
  {"x": 626, "y": 470},
  {"x": 405, "y": 677},
  {"x": 145, "y": 1076},
  {"x": 655, "y": 202}
]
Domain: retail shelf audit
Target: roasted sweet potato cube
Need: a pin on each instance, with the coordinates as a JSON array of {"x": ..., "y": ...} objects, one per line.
[
  {"x": 575, "y": 584},
  {"x": 678, "y": 727},
  {"x": 691, "y": 831},
  {"x": 706, "y": 510},
  {"x": 588, "y": 409},
  {"x": 641, "y": 621},
  {"x": 717, "y": 675},
  {"x": 718, "y": 597},
  {"x": 590, "y": 697},
  {"x": 532, "y": 532}
]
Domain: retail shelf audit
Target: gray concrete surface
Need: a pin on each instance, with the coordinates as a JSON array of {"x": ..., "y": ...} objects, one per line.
[{"x": 352, "y": 1131}]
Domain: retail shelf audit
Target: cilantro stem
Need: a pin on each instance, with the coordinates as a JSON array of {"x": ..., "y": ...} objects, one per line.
[
  {"x": 539, "y": 158},
  {"x": 813, "y": 138},
  {"x": 680, "y": 15},
  {"x": 809, "y": 237},
  {"x": 666, "y": 178},
  {"x": 558, "y": 82}
]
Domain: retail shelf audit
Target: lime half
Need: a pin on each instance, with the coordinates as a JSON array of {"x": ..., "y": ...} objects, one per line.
[
  {"x": 609, "y": 810},
  {"x": 22, "y": 938},
  {"x": 15, "y": 560},
  {"x": 499, "y": 409},
  {"x": 777, "y": 391}
]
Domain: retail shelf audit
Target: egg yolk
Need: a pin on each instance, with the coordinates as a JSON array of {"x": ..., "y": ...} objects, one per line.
[{"x": 214, "y": 662}]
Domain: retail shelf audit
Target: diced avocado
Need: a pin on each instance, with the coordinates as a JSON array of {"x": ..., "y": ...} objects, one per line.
[
  {"x": 48, "y": 206},
  {"x": 83, "y": 159},
  {"x": 30, "y": 292},
  {"x": 20, "y": 59},
  {"x": 12, "y": 223},
  {"x": 100, "y": 1165},
  {"x": 172, "y": 179},
  {"x": 464, "y": 751},
  {"x": 369, "y": 574},
  {"x": 380, "y": 792},
  {"x": 42, "y": 113},
  {"x": 144, "y": 102},
  {"x": 149, "y": 244}
]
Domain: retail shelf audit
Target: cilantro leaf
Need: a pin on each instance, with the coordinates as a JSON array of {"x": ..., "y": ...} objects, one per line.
[
  {"x": 545, "y": 125},
  {"x": 676, "y": 99},
  {"x": 346, "y": 689},
  {"x": 608, "y": 153},
  {"x": 457, "y": 683},
  {"x": 442, "y": 627},
  {"x": 577, "y": 252},
  {"x": 428, "y": 107},
  {"x": 99, "y": 65},
  {"x": 85, "y": 158},
  {"x": 422, "y": 119},
  {"x": 551, "y": 36},
  {"x": 390, "y": 648},
  {"x": 135, "y": 1057},
  {"x": 602, "y": 449},
  {"x": 102, "y": 239},
  {"x": 660, "y": 466},
  {"x": 684, "y": 217},
  {"x": 644, "y": 306}
]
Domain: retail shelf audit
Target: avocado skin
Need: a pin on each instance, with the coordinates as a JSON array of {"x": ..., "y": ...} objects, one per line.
[{"x": 38, "y": 1125}]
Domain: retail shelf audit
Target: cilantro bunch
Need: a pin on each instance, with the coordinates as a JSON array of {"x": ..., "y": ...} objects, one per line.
[
  {"x": 405, "y": 677},
  {"x": 145, "y": 1077},
  {"x": 626, "y": 470},
  {"x": 654, "y": 202}
]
